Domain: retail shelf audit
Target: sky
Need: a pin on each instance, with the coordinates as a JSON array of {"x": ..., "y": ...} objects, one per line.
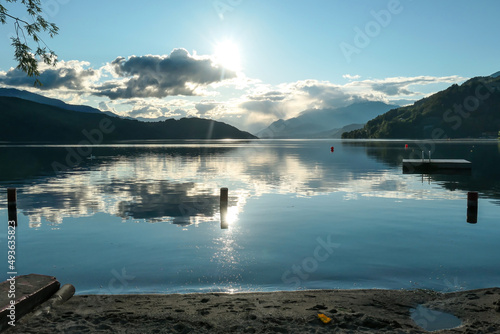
[{"x": 249, "y": 63}]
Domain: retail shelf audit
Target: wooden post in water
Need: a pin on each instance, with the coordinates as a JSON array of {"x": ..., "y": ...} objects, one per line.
[
  {"x": 472, "y": 199},
  {"x": 223, "y": 208},
  {"x": 12, "y": 205}
]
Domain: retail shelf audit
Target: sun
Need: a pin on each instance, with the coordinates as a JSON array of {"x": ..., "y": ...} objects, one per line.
[{"x": 227, "y": 54}]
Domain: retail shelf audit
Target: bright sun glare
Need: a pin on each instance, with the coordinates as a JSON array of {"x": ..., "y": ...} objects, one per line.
[{"x": 227, "y": 55}]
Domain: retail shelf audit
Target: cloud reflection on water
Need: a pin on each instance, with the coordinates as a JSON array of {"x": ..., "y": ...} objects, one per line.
[{"x": 181, "y": 185}]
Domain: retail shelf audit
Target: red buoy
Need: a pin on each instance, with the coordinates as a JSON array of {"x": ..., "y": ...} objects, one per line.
[
  {"x": 406, "y": 145},
  {"x": 331, "y": 148}
]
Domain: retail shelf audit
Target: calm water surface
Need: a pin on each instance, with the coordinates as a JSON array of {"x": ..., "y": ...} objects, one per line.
[{"x": 144, "y": 218}]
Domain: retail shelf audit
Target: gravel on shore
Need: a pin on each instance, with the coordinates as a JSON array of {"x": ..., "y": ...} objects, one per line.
[{"x": 350, "y": 311}]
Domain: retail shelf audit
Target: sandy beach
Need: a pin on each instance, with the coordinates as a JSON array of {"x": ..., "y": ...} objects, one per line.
[{"x": 350, "y": 311}]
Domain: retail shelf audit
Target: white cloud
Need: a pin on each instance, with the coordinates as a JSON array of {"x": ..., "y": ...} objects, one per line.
[
  {"x": 351, "y": 77},
  {"x": 180, "y": 84},
  {"x": 263, "y": 104},
  {"x": 397, "y": 87}
]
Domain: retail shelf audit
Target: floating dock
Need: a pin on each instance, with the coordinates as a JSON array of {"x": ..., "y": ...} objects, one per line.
[{"x": 435, "y": 165}]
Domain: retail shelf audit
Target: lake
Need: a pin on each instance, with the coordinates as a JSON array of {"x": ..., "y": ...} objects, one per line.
[{"x": 145, "y": 218}]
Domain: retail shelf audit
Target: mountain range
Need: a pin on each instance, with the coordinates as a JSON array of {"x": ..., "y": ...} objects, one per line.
[
  {"x": 460, "y": 111},
  {"x": 25, "y": 95},
  {"x": 326, "y": 123},
  {"x": 471, "y": 110},
  {"x": 23, "y": 120}
]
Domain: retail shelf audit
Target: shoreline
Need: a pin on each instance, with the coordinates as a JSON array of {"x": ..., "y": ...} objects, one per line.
[{"x": 351, "y": 311}]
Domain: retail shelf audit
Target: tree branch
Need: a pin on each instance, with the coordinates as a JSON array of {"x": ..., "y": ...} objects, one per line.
[
  {"x": 27, "y": 60},
  {"x": 15, "y": 18}
]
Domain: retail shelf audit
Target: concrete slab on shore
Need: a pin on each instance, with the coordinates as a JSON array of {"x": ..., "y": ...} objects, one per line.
[{"x": 28, "y": 292}]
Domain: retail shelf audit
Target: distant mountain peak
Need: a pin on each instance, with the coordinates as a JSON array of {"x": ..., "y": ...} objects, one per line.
[
  {"x": 318, "y": 123},
  {"x": 33, "y": 97},
  {"x": 495, "y": 75}
]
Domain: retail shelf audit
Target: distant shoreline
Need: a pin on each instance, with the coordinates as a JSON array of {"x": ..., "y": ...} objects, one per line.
[
  {"x": 126, "y": 142},
  {"x": 230, "y": 140}
]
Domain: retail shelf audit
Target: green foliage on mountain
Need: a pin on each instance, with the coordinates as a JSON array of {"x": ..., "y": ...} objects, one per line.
[
  {"x": 27, "y": 121},
  {"x": 470, "y": 110}
]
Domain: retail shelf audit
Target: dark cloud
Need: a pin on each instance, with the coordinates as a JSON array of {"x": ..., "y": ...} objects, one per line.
[
  {"x": 161, "y": 76},
  {"x": 392, "y": 89},
  {"x": 148, "y": 111},
  {"x": 167, "y": 200},
  {"x": 179, "y": 113},
  {"x": 103, "y": 106},
  {"x": 66, "y": 75},
  {"x": 264, "y": 106},
  {"x": 204, "y": 107},
  {"x": 327, "y": 95},
  {"x": 400, "y": 86},
  {"x": 271, "y": 96}
]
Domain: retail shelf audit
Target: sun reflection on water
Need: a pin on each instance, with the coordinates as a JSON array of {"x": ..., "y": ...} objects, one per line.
[{"x": 227, "y": 259}]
